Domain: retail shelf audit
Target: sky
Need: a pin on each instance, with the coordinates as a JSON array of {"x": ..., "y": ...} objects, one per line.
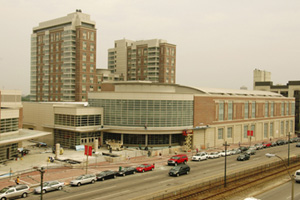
[{"x": 219, "y": 42}]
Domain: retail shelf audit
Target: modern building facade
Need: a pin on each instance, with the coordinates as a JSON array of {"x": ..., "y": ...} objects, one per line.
[
  {"x": 71, "y": 124},
  {"x": 11, "y": 121},
  {"x": 151, "y": 60},
  {"x": 63, "y": 59},
  {"x": 153, "y": 114},
  {"x": 291, "y": 89}
]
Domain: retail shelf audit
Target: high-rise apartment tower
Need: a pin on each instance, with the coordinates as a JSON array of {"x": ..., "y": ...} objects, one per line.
[
  {"x": 63, "y": 59},
  {"x": 152, "y": 60}
]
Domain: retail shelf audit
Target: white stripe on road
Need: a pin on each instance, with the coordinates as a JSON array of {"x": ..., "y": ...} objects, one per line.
[
  {"x": 70, "y": 197},
  {"x": 166, "y": 181}
]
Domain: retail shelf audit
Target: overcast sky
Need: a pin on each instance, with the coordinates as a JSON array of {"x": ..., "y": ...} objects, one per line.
[{"x": 219, "y": 42}]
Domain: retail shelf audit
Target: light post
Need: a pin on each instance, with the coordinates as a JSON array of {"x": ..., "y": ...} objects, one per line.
[
  {"x": 289, "y": 138},
  {"x": 269, "y": 155},
  {"x": 42, "y": 171},
  {"x": 226, "y": 145}
]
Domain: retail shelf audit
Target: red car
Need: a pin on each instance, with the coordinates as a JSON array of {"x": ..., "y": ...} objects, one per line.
[
  {"x": 269, "y": 144},
  {"x": 145, "y": 167}
]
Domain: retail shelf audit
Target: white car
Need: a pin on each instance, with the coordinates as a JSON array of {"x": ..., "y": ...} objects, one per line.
[
  {"x": 200, "y": 156},
  {"x": 49, "y": 186},
  {"x": 14, "y": 191},
  {"x": 83, "y": 179},
  {"x": 297, "y": 176},
  {"x": 214, "y": 155},
  {"x": 222, "y": 153}
]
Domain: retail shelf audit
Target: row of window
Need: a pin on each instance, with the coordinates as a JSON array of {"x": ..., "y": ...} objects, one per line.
[
  {"x": 9, "y": 125},
  {"x": 77, "y": 120},
  {"x": 250, "y": 109},
  {"x": 268, "y": 130}
]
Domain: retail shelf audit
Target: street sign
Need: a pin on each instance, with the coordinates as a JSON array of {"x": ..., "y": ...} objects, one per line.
[{"x": 88, "y": 150}]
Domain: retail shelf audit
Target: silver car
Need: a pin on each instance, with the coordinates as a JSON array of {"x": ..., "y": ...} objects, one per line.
[
  {"x": 50, "y": 186},
  {"x": 14, "y": 191},
  {"x": 83, "y": 179}
]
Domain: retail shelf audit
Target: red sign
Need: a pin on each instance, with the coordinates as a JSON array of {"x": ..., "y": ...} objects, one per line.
[
  {"x": 249, "y": 133},
  {"x": 88, "y": 150}
]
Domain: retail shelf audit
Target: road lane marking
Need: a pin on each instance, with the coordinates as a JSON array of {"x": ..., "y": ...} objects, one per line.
[
  {"x": 70, "y": 197},
  {"x": 166, "y": 181},
  {"x": 112, "y": 194}
]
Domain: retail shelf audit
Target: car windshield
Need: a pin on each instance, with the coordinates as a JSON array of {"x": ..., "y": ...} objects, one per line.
[
  {"x": 213, "y": 153},
  {"x": 176, "y": 168},
  {"x": 46, "y": 184},
  {"x": 174, "y": 157},
  {"x": 297, "y": 173},
  {"x": 79, "y": 178},
  {"x": 141, "y": 166},
  {"x": 4, "y": 190}
]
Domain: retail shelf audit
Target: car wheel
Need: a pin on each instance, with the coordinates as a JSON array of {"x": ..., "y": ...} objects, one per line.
[
  {"x": 133, "y": 172},
  {"x": 176, "y": 164},
  {"x": 152, "y": 169},
  {"x": 187, "y": 172},
  {"x": 44, "y": 191},
  {"x": 24, "y": 195},
  {"x": 3, "y": 198},
  {"x": 115, "y": 176},
  {"x": 59, "y": 188},
  {"x": 93, "y": 181},
  {"x": 143, "y": 171},
  {"x": 124, "y": 174},
  {"x": 177, "y": 174},
  {"x": 102, "y": 179}
]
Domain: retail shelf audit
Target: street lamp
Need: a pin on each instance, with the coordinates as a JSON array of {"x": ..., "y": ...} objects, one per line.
[
  {"x": 269, "y": 155},
  {"x": 226, "y": 145},
  {"x": 42, "y": 171},
  {"x": 289, "y": 136}
]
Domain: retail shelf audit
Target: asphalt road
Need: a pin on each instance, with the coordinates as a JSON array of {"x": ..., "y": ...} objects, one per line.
[{"x": 140, "y": 184}]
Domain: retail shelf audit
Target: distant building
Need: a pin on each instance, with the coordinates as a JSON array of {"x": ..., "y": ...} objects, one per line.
[
  {"x": 151, "y": 60},
  {"x": 262, "y": 81},
  {"x": 63, "y": 59},
  {"x": 11, "y": 121}
]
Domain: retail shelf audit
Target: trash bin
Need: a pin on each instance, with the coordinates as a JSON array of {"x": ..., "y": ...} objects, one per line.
[{"x": 61, "y": 152}]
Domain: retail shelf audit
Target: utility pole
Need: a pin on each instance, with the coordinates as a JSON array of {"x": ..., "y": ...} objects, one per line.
[
  {"x": 289, "y": 136},
  {"x": 226, "y": 145},
  {"x": 42, "y": 171}
]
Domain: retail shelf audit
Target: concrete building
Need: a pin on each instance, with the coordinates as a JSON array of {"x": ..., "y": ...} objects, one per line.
[
  {"x": 63, "y": 59},
  {"x": 151, "y": 60},
  {"x": 71, "y": 124},
  {"x": 11, "y": 121},
  {"x": 156, "y": 115},
  {"x": 291, "y": 89}
]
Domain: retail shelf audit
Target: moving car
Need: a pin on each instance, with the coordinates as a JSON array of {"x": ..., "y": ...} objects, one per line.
[
  {"x": 200, "y": 156},
  {"x": 106, "y": 175},
  {"x": 50, "y": 186},
  {"x": 177, "y": 159},
  {"x": 251, "y": 152},
  {"x": 145, "y": 167},
  {"x": 83, "y": 179},
  {"x": 14, "y": 191},
  {"x": 126, "y": 171},
  {"x": 297, "y": 176},
  {"x": 243, "y": 156},
  {"x": 179, "y": 170},
  {"x": 213, "y": 155}
]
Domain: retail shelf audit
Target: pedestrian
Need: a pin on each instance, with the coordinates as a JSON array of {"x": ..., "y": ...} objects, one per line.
[
  {"x": 17, "y": 180},
  {"x": 197, "y": 150}
]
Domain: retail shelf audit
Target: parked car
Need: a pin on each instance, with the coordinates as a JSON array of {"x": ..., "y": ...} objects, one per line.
[
  {"x": 126, "y": 171},
  {"x": 297, "y": 176},
  {"x": 145, "y": 167},
  {"x": 243, "y": 156},
  {"x": 298, "y": 144},
  {"x": 83, "y": 179},
  {"x": 268, "y": 144},
  {"x": 233, "y": 152},
  {"x": 273, "y": 144},
  {"x": 251, "y": 152},
  {"x": 200, "y": 156},
  {"x": 50, "y": 186},
  {"x": 177, "y": 159},
  {"x": 14, "y": 191},
  {"x": 259, "y": 146},
  {"x": 106, "y": 175},
  {"x": 179, "y": 170},
  {"x": 222, "y": 153},
  {"x": 279, "y": 142},
  {"x": 213, "y": 155},
  {"x": 243, "y": 148}
]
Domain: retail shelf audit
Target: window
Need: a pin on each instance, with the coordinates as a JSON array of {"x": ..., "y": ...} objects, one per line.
[
  {"x": 253, "y": 109},
  {"x": 287, "y": 108},
  {"x": 221, "y": 111},
  {"x": 293, "y": 108},
  {"x": 245, "y": 131},
  {"x": 266, "y": 109},
  {"x": 229, "y": 132},
  {"x": 287, "y": 127},
  {"x": 230, "y": 110},
  {"x": 220, "y": 133},
  {"x": 272, "y": 109},
  {"x": 282, "y": 109},
  {"x": 271, "y": 129},
  {"x": 265, "y": 130},
  {"x": 282, "y": 128},
  {"x": 291, "y": 126},
  {"x": 246, "y": 110},
  {"x": 253, "y": 129}
]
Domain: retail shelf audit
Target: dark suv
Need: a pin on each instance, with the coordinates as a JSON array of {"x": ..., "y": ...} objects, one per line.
[
  {"x": 177, "y": 159},
  {"x": 179, "y": 170}
]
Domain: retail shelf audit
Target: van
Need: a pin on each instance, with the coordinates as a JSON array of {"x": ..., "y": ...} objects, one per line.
[
  {"x": 177, "y": 159},
  {"x": 179, "y": 170}
]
